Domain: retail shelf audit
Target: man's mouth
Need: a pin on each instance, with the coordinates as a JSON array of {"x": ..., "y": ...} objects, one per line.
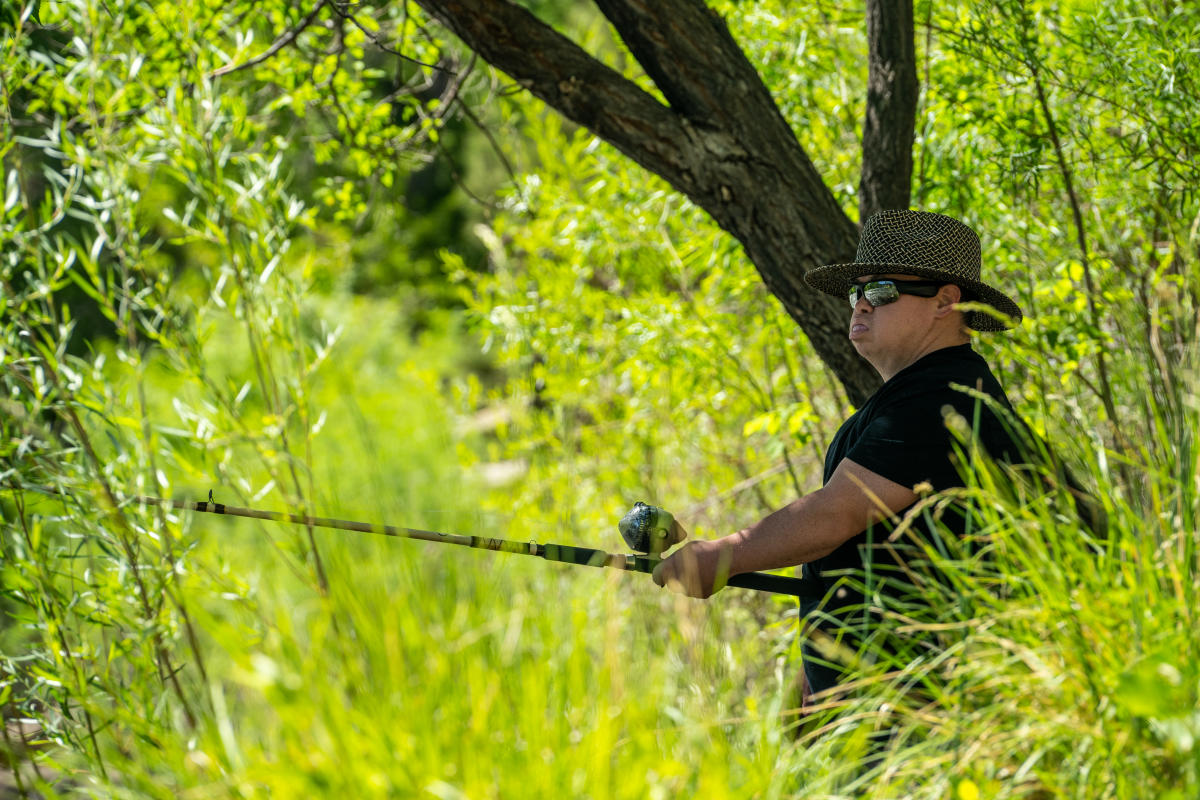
[{"x": 857, "y": 327}]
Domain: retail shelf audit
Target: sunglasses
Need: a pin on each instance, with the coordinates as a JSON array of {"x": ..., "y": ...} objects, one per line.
[{"x": 880, "y": 293}]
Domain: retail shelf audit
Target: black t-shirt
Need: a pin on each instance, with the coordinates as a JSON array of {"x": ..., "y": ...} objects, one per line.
[{"x": 901, "y": 433}]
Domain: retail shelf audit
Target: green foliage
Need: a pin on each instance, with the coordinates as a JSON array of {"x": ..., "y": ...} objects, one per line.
[
  {"x": 636, "y": 322},
  {"x": 617, "y": 303},
  {"x": 248, "y": 283}
]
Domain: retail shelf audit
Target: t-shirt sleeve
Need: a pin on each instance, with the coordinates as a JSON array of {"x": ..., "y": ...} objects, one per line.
[{"x": 907, "y": 441}]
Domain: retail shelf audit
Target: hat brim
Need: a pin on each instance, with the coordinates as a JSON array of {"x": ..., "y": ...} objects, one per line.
[{"x": 835, "y": 280}]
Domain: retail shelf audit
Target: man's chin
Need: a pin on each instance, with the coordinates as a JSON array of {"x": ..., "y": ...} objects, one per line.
[{"x": 862, "y": 345}]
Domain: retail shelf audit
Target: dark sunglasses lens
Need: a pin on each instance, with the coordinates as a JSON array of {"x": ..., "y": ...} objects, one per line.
[
  {"x": 880, "y": 293},
  {"x": 857, "y": 290}
]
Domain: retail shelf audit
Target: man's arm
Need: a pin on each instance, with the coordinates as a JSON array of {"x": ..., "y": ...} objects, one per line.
[{"x": 803, "y": 531}]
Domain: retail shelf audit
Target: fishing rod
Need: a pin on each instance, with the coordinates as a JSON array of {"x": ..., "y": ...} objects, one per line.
[{"x": 646, "y": 529}]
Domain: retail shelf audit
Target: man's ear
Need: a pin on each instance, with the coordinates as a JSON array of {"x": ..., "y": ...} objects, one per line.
[{"x": 947, "y": 296}]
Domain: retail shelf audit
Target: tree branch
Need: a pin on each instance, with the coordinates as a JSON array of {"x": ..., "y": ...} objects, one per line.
[
  {"x": 722, "y": 141},
  {"x": 562, "y": 74},
  {"x": 283, "y": 41},
  {"x": 340, "y": 10},
  {"x": 692, "y": 59}
]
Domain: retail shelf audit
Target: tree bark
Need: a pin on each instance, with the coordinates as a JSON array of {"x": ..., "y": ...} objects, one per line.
[
  {"x": 892, "y": 90},
  {"x": 720, "y": 139}
]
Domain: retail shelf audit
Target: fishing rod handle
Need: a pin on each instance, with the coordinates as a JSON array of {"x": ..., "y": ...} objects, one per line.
[
  {"x": 779, "y": 584},
  {"x": 758, "y": 581}
]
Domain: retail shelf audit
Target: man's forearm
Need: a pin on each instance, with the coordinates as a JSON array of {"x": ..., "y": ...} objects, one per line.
[
  {"x": 801, "y": 531},
  {"x": 818, "y": 523}
]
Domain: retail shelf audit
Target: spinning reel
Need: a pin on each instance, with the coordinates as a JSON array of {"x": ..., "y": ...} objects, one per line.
[{"x": 649, "y": 529}]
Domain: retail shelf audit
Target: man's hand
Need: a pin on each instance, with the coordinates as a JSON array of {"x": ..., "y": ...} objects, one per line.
[{"x": 698, "y": 569}]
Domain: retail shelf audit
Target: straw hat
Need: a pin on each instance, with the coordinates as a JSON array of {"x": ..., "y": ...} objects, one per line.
[{"x": 926, "y": 245}]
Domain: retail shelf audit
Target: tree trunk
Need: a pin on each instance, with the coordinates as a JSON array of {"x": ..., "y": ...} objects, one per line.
[
  {"x": 720, "y": 139},
  {"x": 892, "y": 89}
]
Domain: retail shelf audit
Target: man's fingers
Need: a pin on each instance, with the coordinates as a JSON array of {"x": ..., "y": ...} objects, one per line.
[
  {"x": 666, "y": 574},
  {"x": 657, "y": 575},
  {"x": 680, "y": 572},
  {"x": 678, "y": 587}
]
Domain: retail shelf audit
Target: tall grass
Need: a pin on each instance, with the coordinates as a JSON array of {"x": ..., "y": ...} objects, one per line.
[
  {"x": 418, "y": 669},
  {"x": 634, "y": 355},
  {"x": 169, "y": 655},
  {"x": 1068, "y": 666}
]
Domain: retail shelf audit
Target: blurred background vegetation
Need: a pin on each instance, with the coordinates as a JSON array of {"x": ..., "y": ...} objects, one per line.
[{"x": 363, "y": 275}]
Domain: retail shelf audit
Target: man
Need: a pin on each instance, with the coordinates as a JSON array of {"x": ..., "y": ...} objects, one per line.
[{"x": 911, "y": 272}]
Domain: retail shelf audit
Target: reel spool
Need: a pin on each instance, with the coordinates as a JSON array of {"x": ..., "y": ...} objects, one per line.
[{"x": 649, "y": 529}]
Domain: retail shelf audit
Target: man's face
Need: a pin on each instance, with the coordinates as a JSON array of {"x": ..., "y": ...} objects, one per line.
[{"x": 889, "y": 331}]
